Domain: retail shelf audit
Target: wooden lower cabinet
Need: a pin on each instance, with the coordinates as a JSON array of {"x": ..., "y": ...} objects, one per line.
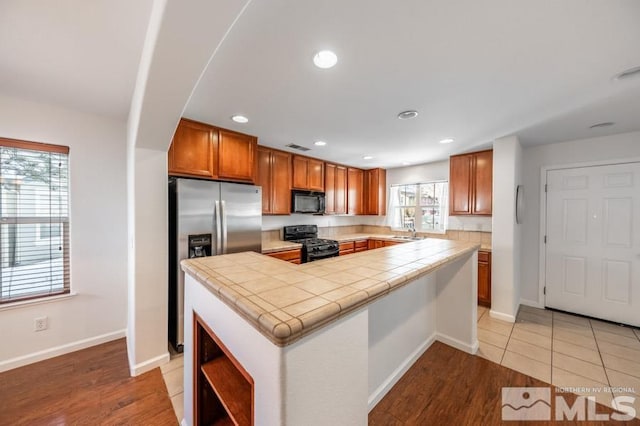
[
  {"x": 223, "y": 390},
  {"x": 374, "y": 244},
  {"x": 292, "y": 256},
  {"x": 347, "y": 248},
  {"x": 360, "y": 245},
  {"x": 484, "y": 278}
]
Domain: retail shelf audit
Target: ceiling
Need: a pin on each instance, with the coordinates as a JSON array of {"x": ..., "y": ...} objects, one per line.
[
  {"x": 475, "y": 71},
  {"x": 82, "y": 55}
]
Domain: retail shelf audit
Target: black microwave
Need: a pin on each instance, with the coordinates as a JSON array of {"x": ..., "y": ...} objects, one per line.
[{"x": 307, "y": 202}]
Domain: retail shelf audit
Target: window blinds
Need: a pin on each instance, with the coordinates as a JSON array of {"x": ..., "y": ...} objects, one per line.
[{"x": 34, "y": 220}]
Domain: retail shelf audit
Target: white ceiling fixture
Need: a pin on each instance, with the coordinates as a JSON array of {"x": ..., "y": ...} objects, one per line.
[
  {"x": 367, "y": 157},
  {"x": 406, "y": 163},
  {"x": 446, "y": 141},
  {"x": 407, "y": 115},
  {"x": 320, "y": 143},
  {"x": 325, "y": 59},
  {"x": 240, "y": 119},
  {"x": 631, "y": 72},
  {"x": 601, "y": 125}
]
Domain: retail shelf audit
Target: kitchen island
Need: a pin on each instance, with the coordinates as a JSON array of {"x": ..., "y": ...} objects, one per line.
[{"x": 323, "y": 342}]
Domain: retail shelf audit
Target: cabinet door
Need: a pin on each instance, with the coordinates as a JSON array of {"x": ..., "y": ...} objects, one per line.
[
  {"x": 236, "y": 156},
  {"x": 484, "y": 278},
  {"x": 316, "y": 175},
  {"x": 329, "y": 189},
  {"x": 355, "y": 186},
  {"x": 193, "y": 151},
  {"x": 460, "y": 185},
  {"x": 300, "y": 172},
  {"x": 375, "y": 192},
  {"x": 265, "y": 179},
  {"x": 281, "y": 182},
  {"x": 340, "y": 189},
  {"x": 483, "y": 183}
]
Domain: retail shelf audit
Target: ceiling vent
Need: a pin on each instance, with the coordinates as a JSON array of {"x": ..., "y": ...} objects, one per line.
[
  {"x": 298, "y": 147},
  {"x": 631, "y": 72}
]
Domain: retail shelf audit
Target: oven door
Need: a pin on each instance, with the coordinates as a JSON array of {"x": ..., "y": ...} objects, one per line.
[{"x": 322, "y": 255}]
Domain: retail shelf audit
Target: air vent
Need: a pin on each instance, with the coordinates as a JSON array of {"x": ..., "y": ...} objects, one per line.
[
  {"x": 631, "y": 72},
  {"x": 298, "y": 147}
]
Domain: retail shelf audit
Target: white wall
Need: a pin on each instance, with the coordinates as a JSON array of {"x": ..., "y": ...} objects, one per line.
[
  {"x": 98, "y": 234},
  {"x": 505, "y": 276},
  {"x": 437, "y": 171},
  {"x": 622, "y": 146}
]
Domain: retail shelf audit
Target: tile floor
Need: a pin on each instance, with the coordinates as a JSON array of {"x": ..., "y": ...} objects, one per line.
[
  {"x": 560, "y": 349},
  {"x": 172, "y": 373},
  {"x": 566, "y": 351}
]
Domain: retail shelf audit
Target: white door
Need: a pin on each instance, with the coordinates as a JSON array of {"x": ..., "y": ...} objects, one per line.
[{"x": 593, "y": 241}]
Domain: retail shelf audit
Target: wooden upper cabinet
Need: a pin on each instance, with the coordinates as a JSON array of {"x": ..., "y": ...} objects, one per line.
[
  {"x": 202, "y": 150},
  {"x": 193, "y": 150},
  {"x": 274, "y": 175},
  {"x": 375, "y": 191},
  {"x": 237, "y": 153},
  {"x": 335, "y": 189},
  {"x": 308, "y": 173},
  {"x": 264, "y": 179},
  {"x": 483, "y": 183},
  {"x": 470, "y": 184},
  {"x": 329, "y": 188},
  {"x": 460, "y": 185},
  {"x": 341, "y": 190},
  {"x": 355, "y": 191}
]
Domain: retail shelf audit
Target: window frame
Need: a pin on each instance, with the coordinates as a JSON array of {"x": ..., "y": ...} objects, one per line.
[
  {"x": 418, "y": 206},
  {"x": 61, "y": 219}
]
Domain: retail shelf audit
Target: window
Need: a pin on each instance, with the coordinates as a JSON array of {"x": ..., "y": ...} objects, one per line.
[
  {"x": 420, "y": 206},
  {"x": 34, "y": 220}
]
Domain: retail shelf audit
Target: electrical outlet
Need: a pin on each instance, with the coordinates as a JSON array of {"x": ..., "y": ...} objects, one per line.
[{"x": 40, "y": 324}]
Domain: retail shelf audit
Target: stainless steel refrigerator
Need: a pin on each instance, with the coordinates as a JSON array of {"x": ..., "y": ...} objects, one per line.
[{"x": 207, "y": 218}]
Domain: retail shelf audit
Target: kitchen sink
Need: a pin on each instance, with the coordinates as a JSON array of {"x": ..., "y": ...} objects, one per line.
[{"x": 407, "y": 237}]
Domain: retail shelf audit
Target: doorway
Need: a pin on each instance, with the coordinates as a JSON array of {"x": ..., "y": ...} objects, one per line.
[{"x": 592, "y": 250}]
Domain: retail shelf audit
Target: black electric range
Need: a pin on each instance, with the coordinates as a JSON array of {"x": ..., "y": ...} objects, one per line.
[{"x": 313, "y": 248}]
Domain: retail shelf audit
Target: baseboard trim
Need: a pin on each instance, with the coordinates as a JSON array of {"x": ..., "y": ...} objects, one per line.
[
  {"x": 532, "y": 303},
  {"x": 148, "y": 365},
  {"x": 501, "y": 316},
  {"x": 23, "y": 360},
  {"x": 397, "y": 374},
  {"x": 458, "y": 344}
]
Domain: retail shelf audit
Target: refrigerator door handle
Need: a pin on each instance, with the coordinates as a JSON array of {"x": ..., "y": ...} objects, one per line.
[
  {"x": 223, "y": 215},
  {"x": 217, "y": 226}
]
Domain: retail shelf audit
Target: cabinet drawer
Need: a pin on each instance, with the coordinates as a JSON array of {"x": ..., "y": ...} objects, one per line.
[
  {"x": 361, "y": 245},
  {"x": 289, "y": 255},
  {"x": 483, "y": 256},
  {"x": 346, "y": 246}
]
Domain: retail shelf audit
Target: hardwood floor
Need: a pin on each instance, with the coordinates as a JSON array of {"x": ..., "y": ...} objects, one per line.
[
  {"x": 92, "y": 387},
  {"x": 88, "y": 387},
  {"x": 449, "y": 387}
]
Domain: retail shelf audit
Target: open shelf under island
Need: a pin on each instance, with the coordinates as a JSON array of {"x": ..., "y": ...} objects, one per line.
[{"x": 323, "y": 342}]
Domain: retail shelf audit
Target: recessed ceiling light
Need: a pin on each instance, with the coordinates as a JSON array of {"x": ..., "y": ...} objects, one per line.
[
  {"x": 631, "y": 72},
  {"x": 406, "y": 163},
  {"x": 320, "y": 143},
  {"x": 367, "y": 157},
  {"x": 406, "y": 115},
  {"x": 325, "y": 59},
  {"x": 448, "y": 140},
  {"x": 604, "y": 124},
  {"x": 240, "y": 119}
]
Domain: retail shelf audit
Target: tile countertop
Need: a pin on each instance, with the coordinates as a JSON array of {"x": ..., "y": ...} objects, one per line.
[
  {"x": 272, "y": 246},
  {"x": 286, "y": 302}
]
